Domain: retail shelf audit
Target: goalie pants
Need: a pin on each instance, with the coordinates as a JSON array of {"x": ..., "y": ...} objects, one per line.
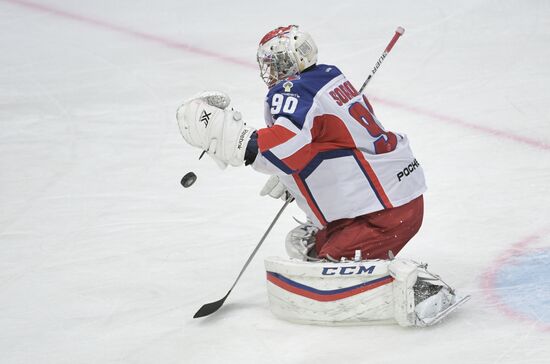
[{"x": 374, "y": 234}]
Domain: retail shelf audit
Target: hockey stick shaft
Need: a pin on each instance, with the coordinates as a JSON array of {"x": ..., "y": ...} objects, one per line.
[
  {"x": 261, "y": 241},
  {"x": 398, "y": 33},
  {"x": 212, "y": 307}
]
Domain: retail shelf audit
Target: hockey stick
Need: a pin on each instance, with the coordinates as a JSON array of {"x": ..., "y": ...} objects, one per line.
[
  {"x": 210, "y": 308},
  {"x": 398, "y": 32}
]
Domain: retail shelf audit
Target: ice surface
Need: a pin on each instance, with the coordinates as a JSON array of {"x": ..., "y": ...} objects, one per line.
[{"x": 104, "y": 257}]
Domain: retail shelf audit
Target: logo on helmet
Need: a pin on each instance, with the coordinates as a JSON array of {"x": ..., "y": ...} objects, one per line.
[{"x": 304, "y": 49}]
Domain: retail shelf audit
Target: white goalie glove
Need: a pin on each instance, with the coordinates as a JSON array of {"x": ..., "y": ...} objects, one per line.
[
  {"x": 300, "y": 241},
  {"x": 219, "y": 99},
  {"x": 205, "y": 123},
  {"x": 275, "y": 188}
]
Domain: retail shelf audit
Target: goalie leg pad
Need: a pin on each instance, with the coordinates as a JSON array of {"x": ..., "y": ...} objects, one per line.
[
  {"x": 326, "y": 293},
  {"x": 357, "y": 292},
  {"x": 404, "y": 274}
]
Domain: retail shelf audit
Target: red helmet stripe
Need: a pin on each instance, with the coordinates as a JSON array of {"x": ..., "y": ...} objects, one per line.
[{"x": 274, "y": 33}]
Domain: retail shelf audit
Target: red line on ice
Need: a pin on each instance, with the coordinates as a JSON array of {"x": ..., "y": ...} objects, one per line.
[
  {"x": 131, "y": 32},
  {"x": 236, "y": 61},
  {"x": 465, "y": 124}
]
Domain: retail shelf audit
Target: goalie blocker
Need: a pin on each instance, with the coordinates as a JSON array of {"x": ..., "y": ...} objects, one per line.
[{"x": 358, "y": 292}]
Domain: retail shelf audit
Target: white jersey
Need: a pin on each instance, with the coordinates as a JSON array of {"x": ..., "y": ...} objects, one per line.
[{"x": 328, "y": 148}]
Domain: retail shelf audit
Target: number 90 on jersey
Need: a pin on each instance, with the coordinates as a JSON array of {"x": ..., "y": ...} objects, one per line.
[{"x": 285, "y": 104}]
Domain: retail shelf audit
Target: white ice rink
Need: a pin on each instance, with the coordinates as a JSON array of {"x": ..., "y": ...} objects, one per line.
[{"x": 104, "y": 257}]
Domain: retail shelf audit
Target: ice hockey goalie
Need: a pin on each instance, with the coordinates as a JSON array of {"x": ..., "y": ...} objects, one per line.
[{"x": 360, "y": 186}]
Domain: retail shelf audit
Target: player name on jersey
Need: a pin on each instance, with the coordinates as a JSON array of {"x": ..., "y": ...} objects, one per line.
[{"x": 343, "y": 93}]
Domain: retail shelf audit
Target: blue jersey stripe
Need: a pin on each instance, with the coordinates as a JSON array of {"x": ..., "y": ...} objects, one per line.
[{"x": 277, "y": 162}]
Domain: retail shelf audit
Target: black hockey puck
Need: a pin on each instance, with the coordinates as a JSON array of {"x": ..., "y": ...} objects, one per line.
[{"x": 188, "y": 179}]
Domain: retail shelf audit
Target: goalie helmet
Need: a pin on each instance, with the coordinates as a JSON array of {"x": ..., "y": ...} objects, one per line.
[{"x": 285, "y": 52}]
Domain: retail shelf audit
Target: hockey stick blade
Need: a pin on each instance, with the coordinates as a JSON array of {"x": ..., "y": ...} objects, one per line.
[{"x": 210, "y": 308}]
